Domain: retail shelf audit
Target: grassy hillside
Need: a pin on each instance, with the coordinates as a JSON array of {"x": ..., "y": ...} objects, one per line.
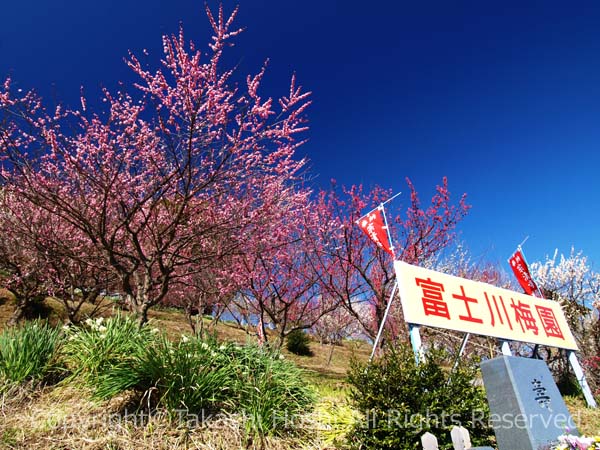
[{"x": 63, "y": 416}]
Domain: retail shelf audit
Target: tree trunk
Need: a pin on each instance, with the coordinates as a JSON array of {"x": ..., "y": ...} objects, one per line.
[
  {"x": 142, "y": 315},
  {"x": 139, "y": 308},
  {"x": 330, "y": 353},
  {"x": 20, "y": 305},
  {"x": 22, "y": 302}
]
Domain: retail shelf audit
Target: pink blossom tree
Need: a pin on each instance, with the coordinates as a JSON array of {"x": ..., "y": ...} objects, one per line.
[
  {"x": 283, "y": 284},
  {"x": 44, "y": 256},
  {"x": 21, "y": 261},
  {"x": 363, "y": 275},
  {"x": 164, "y": 182}
]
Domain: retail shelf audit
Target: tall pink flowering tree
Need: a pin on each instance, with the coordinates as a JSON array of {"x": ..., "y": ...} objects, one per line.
[
  {"x": 282, "y": 284},
  {"x": 363, "y": 275},
  {"x": 22, "y": 259},
  {"x": 42, "y": 255},
  {"x": 164, "y": 182}
]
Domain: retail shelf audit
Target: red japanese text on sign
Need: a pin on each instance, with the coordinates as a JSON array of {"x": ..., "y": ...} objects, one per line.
[
  {"x": 433, "y": 301},
  {"x": 549, "y": 322},
  {"x": 469, "y": 317},
  {"x": 497, "y": 310},
  {"x": 436, "y": 299},
  {"x": 524, "y": 317}
]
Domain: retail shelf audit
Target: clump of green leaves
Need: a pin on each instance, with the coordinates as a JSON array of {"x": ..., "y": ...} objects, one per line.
[
  {"x": 191, "y": 375},
  {"x": 298, "y": 343},
  {"x": 184, "y": 376},
  {"x": 28, "y": 352},
  {"x": 101, "y": 345},
  {"x": 400, "y": 400},
  {"x": 269, "y": 390}
]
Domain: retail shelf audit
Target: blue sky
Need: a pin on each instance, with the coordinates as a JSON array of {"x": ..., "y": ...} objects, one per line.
[{"x": 503, "y": 98}]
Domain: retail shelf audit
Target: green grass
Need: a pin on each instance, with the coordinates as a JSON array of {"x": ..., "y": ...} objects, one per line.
[
  {"x": 270, "y": 390},
  {"x": 100, "y": 346},
  {"x": 190, "y": 375},
  {"x": 182, "y": 376},
  {"x": 253, "y": 394},
  {"x": 28, "y": 352}
]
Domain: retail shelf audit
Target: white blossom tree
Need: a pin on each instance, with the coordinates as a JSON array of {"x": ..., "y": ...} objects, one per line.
[{"x": 572, "y": 281}]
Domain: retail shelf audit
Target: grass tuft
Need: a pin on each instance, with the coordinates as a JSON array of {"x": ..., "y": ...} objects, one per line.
[
  {"x": 183, "y": 376},
  {"x": 101, "y": 346},
  {"x": 28, "y": 352}
]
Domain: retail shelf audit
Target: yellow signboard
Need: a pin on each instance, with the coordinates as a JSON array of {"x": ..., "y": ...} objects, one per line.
[{"x": 439, "y": 300}]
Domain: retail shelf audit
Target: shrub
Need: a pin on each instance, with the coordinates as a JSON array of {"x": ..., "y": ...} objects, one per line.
[
  {"x": 191, "y": 375},
  {"x": 28, "y": 352},
  {"x": 401, "y": 400},
  {"x": 298, "y": 343}
]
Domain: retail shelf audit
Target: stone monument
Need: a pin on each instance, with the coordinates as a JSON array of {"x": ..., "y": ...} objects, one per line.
[{"x": 527, "y": 411}]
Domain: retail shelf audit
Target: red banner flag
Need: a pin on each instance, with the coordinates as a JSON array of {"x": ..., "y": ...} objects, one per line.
[
  {"x": 521, "y": 271},
  {"x": 374, "y": 226}
]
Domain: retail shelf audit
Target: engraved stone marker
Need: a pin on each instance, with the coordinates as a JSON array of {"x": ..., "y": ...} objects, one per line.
[{"x": 526, "y": 408}]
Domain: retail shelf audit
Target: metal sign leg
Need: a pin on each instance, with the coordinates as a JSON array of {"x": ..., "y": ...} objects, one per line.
[
  {"x": 587, "y": 392},
  {"x": 381, "y": 327},
  {"x": 463, "y": 345},
  {"x": 417, "y": 345},
  {"x": 505, "y": 347}
]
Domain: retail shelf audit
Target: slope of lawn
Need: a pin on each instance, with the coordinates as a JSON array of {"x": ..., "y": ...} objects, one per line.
[{"x": 66, "y": 415}]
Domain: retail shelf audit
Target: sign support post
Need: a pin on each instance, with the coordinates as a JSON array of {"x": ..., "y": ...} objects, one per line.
[
  {"x": 415, "y": 340},
  {"x": 385, "y": 315},
  {"x": 587, "y": 392},
  {"x": 505, "y": 347},
  {"x": 463, "y": 345}
]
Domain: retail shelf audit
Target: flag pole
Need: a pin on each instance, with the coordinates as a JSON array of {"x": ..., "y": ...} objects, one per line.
[
  {"x": 380, "y": 206},
  {"x": 522, "y": 243},
  {"x": 391, "y": 198},
  {"x": 382, "y": 326},
  {"x": 389, "y": 305},
  {"x": 520, "y": 249},
  {"x": 387, "y": 229}
]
